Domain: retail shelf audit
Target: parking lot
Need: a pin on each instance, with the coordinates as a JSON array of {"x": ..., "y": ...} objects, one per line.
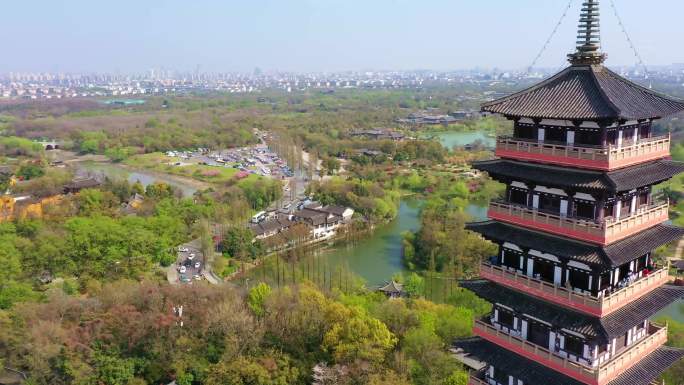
[{"x": 190, "y": 263}]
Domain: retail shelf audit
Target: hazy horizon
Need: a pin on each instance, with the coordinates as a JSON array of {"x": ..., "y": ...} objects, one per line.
[{"x": 321, "y": 36}]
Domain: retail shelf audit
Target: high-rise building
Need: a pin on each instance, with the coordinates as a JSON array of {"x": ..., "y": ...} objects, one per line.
[{"x": 575, "y": 284}]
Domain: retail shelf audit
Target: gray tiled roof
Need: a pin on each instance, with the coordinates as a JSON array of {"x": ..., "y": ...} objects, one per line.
[
  {"x": 602, "y": 329},
  {"x": 586, "y": 93},
  {"x": 554, "y": 176},
  {"x": 613, "y": 255},
  {"x": 533, "y": 373}
]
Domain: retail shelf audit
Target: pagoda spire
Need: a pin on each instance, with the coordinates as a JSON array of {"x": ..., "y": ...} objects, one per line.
[{"x": 588, "y": 36}]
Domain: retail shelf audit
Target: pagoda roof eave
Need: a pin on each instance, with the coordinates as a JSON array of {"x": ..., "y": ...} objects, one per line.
[
  {"x": 586, "y": 93},
  {"x": 600, "y": 257},
  {"x": 599, "y": 329},
  {"x": 531, "y": 372},
  {"x": 624, "y": 179}
]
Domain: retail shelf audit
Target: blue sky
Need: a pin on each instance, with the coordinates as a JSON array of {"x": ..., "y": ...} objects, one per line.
[{"x": 318, "y": 35}]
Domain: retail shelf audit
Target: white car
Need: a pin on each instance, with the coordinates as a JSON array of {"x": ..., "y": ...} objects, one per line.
[
  {"x": 182, "y": 269},
  {"x": 191, "y": 256},
  {"x": 197, "y": 265},
  {"x": 182, "y": 249},
  {"x": 197, "y": 277}
]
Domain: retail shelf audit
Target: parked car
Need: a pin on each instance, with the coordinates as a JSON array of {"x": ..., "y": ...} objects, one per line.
[
  {"x": 183, "y": 269},
  {"x": 191, "y": 256},
  {"x": 182, "y": 249},
  {"x": 185, "y": 278},
  {"x": 197, "y": 277},
  {"x": 197, "y": 265}
]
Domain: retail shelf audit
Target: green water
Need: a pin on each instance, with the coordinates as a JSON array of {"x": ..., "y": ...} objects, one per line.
[
  {"x": 449, "y": 139},
  {"x": 375, "y": 258}
]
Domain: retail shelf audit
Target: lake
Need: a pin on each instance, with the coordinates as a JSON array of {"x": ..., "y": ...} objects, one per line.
[
  {"x": 375, "y": 258},
  {"x": 449, "y": 139},
  {"x": 114, "y": 171}
]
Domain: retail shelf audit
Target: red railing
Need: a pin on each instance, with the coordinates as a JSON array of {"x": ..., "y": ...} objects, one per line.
[
  {"x": 610, "y": 230},
  {"x": 586, "y": 303},
  {"x": 594, "y": 157},
  {"x": 598, "y": 375}
]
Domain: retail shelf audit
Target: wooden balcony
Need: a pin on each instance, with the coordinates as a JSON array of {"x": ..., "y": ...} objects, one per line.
[
  {"x": 597, "y": 158},
  {"x": 597, "y": 375},
  {"x": 603, "y": 233},
  {"x": 596, "y": 306}
]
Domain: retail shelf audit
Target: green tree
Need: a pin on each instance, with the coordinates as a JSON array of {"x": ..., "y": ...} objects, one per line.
[
  {"x": 257, "y": 298},
  {"x": 113, "y": 370},
  {"x": 359, "y": 336},
  {"x": 415, "y": 285},
  {"x": 238, "y": 242}
]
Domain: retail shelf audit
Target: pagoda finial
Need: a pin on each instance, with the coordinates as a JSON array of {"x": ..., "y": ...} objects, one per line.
[{"x": 588, "y": 36}]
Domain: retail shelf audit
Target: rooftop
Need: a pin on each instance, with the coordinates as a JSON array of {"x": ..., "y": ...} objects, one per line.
[
  {"x": 624, "y": 179},
  {"x": 599, "y": 328},
  {"x": 612, "y": 255},
  {"x": 530, "y": 372}
]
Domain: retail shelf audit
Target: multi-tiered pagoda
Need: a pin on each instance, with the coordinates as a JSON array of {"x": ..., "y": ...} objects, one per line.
[{"x": 574, "y": 284}]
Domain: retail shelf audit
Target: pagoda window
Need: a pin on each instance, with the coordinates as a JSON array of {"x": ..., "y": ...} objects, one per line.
[
  {"x": 628, "y": 136},
  {"x": 510, "y": 258},
  {"x": 574, "y": 346},
  {"x": 587, "y": 137},
  {"x": 518, "y": 196},
  {"x": 505, "y": 319},
  {"x": 608, "y": 209},
  {"x": 625, "y": 206},
  {"x": 613, "y": 137},
  {"x": 525, "y": 131},
  {"x": 544, "y": 270},
  {"x": 555, "y": 134},
  {"x": 645, "y": 131},
  {"x": 604, "y": 281},
  {"x": 584, "y": 209},
  {"x": 550, "y": 203},
  {"x": 538, "y": 334},
  {"x": 579, "y": 279}
]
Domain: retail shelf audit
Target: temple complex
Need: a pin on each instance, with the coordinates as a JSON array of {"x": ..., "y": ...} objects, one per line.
[{"x": 574, "y": 284}]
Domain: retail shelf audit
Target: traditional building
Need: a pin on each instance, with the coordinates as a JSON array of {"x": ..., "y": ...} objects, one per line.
[{"x": 574, "y": 284}]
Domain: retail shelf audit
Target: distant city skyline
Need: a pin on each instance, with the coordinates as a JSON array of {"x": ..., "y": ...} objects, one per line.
[{"x": 320, "y": 35}]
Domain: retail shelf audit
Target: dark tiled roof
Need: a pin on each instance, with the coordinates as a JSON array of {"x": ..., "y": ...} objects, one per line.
[
  {"x": 637, "y": 245},
  {"x": 528, "y": 239},
  {"x": 79, "y": 184},
  {"x": 553, "y": 176},
  {"x": 392, "y": 287},
  {"x": 613, "y": 255},
  {"x": 586, "y": 93},
  {"x": 601, "y": 329},
  {"x": 530, "y": 372},
  {"x": 650, "y": 367},
  {"x": 274, "y": 224},
  {"x": 515, "y": 365}
]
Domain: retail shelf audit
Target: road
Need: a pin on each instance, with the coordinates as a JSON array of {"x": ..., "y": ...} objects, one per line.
[{"x": 190, "y": 255}]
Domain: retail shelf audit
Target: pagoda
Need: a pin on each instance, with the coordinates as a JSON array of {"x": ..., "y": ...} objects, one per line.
[{"x": 574, "y": 284}]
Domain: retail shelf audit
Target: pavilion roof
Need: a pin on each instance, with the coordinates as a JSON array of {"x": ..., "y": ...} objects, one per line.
[
  {"x": 586, "y": 92},
  {"x": 392, "y": 287},
  {"x": 624, "y": 179},
  {"x": 610, "y": 256}
]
